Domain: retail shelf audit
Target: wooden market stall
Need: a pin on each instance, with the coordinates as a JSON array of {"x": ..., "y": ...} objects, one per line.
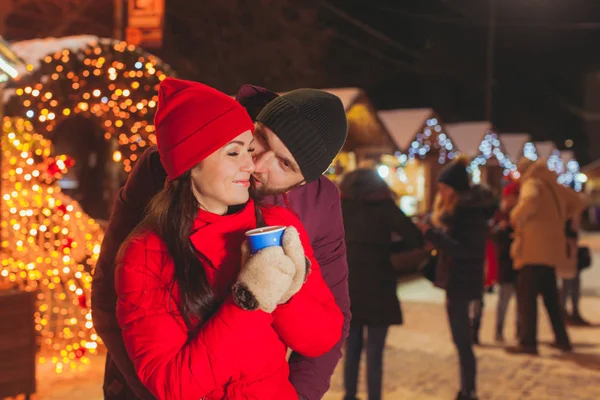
[
  {"x": 425, "y": 148},
  {"x": 368, "y": 139},
  {"x": 478, "y": 140},
  {"x": 548, "y": 151},
  {"x": 518, "y": 145}
]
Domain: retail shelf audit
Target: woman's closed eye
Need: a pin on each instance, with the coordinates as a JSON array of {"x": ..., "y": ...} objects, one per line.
[{"x": 237, "y": 153}]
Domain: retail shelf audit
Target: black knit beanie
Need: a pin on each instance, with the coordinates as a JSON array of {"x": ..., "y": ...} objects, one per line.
[
  {"x": 455, "y": 175},
  {"x": 313, "y": 126}
]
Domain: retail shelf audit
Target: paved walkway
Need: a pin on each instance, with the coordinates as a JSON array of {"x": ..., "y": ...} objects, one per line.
[{"x": 420, "y": 361}]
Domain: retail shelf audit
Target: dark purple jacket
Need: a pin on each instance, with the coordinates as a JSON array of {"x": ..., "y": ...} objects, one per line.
[{"x": 317, "y": 205}]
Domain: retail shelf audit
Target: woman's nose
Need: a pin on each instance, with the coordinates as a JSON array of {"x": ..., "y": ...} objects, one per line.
[{"x": 248, "y": 165}]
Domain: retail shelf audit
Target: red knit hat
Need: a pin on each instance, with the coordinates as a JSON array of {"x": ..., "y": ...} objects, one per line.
[
  {"x": 511, "y": 189},
  {"x": 193, "y": 121}
]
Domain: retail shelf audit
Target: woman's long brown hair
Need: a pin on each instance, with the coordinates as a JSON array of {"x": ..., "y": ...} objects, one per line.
[
  {"x": 442, "y": 208},
  {"x": 171, "y": 214}
]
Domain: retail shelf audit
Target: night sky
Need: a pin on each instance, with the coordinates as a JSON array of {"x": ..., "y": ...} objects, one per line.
[
  {"x": 542, "y": 50},
  {"x": 403, "y": 53}
]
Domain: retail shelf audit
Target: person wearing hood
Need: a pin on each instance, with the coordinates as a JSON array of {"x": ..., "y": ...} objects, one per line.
[
  {"x": 370, "y": 217},
  {"x": 539, "y": 250},
  {"x": 459, "y": 231}
]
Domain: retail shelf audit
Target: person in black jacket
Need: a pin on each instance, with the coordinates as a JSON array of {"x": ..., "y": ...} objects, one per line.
[
  {"x": 459, "y": 230},
  {"x": 370, "y": 217}
]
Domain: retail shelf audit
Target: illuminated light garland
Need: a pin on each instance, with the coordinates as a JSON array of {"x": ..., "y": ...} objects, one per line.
[
  {"x": 572, "y": 176},
  {"x": 112, "y": 81},
  {"x": 491, "y": 147},
  {"x": 433, "y": 138},
  {"x": 48, "y": 245},
  {"x": 530, "y": 152},
  {"x": 555, "y": 163}
]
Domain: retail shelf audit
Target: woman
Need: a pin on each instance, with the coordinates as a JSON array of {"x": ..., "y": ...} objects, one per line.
[
  {"x": 370, "y": 218},
  {"x": 459, "y": 232},
  {"x": 198, "y": 321}
]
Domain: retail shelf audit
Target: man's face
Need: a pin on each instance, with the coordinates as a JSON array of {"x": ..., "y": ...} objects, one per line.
[{"x": 276, "y": 170}]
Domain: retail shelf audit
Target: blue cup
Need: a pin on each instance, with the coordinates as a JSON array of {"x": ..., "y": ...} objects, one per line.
[{"x": 261, "y": 238}]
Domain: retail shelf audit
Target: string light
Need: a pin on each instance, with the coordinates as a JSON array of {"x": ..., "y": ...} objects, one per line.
[
  {"x": 112, "y": 81},
  {"x": 431, "y": 139},
  {"x": 491, "y": 147},
  {"x": 530, "y": 152},
  {"x": 48, "y": 244}
]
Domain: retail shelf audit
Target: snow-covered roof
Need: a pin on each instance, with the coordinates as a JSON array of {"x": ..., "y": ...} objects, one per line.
[
  {"x": 467, "y": 136},
  {"x": 347, "y": 95},
  {"x": 513, "y": 144},
  {"x": 545, "y": 149},
  {"x": 34, "y": 50},
  {"x": 567, "y": 155},
  {"x": 404, "y": 124}
]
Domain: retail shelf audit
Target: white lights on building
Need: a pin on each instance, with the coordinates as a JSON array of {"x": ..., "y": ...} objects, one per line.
[{"x": 529, "y": 151}]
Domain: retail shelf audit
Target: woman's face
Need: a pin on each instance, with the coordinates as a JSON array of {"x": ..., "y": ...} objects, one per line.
[
  {"x": 223, "y": 178},
  {"x": 445, "y": 191}
]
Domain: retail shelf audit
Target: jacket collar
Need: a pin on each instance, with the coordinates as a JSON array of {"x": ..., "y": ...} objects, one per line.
[{"x": 218, "y": 236}]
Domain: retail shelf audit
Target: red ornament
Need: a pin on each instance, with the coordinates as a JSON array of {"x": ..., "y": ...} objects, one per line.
[
  {"x": 53, "y": 168},
  {"x": 62, "y": 208},
  {"x": 67, "y": 243},
  {"x": 82, "y": 301},
  {"x": 79, "y": 353},
  {"x": 69, "y": 162}
]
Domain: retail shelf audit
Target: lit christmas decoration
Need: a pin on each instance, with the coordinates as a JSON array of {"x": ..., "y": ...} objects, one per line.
[
  {"x": 113, "y": 81},
  {"x": 432, "y": 139},
  {"x": 555, "y": 163},
  {"x": 530, "y": 152},
  {"x": 572, "y": 177},
  {"x": 491, "y": 147},
  {"x": 49, "y": 245}
]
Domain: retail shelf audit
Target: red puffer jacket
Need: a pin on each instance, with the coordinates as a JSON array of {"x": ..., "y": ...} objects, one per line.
[{"x": 236, "y": 354}]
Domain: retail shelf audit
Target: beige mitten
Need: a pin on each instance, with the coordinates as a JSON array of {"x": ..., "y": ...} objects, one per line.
[
  {"x": 292, "y": 247},
  {"x": 264, "y": 279}
]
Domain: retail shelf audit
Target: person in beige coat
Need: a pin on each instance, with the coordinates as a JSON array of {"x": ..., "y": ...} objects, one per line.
[{"x": 539, "y": 250}]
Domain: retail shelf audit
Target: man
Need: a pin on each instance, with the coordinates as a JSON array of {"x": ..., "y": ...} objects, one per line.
[
  {"x": 298, "y": 135},
  {"x": 538, "y": 249}
]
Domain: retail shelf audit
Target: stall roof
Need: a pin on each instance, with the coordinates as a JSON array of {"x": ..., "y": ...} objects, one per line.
[
  {"x": 34, "y": 50},
  {"x": 467, "y": 136},
  {"x": 545, "y": 149},
  {"x": 347, "y": 95},
  {"x": 404, "y": 124},
  {"x": 514, "y": 143}
]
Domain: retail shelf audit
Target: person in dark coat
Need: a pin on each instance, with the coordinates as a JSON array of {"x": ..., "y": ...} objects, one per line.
[
  {"x": 502, "y": 234},
  {"x": 370, "y": 217},
  {"x": 459, "y": 230}
]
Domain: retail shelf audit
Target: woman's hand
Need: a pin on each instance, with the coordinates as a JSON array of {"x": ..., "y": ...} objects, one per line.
[
  {"x": 292, "y": 247},
  {"x": 289, "y": 260},
  {"x": 264, "y": 280}
]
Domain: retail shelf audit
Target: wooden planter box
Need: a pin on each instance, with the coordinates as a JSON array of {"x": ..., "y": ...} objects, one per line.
[{"x": 17, "y": 343}]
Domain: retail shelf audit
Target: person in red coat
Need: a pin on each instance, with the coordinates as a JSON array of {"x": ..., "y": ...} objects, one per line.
[
  {"x": 199, "y": 319},
  {"x": 314, "y": 199}
]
